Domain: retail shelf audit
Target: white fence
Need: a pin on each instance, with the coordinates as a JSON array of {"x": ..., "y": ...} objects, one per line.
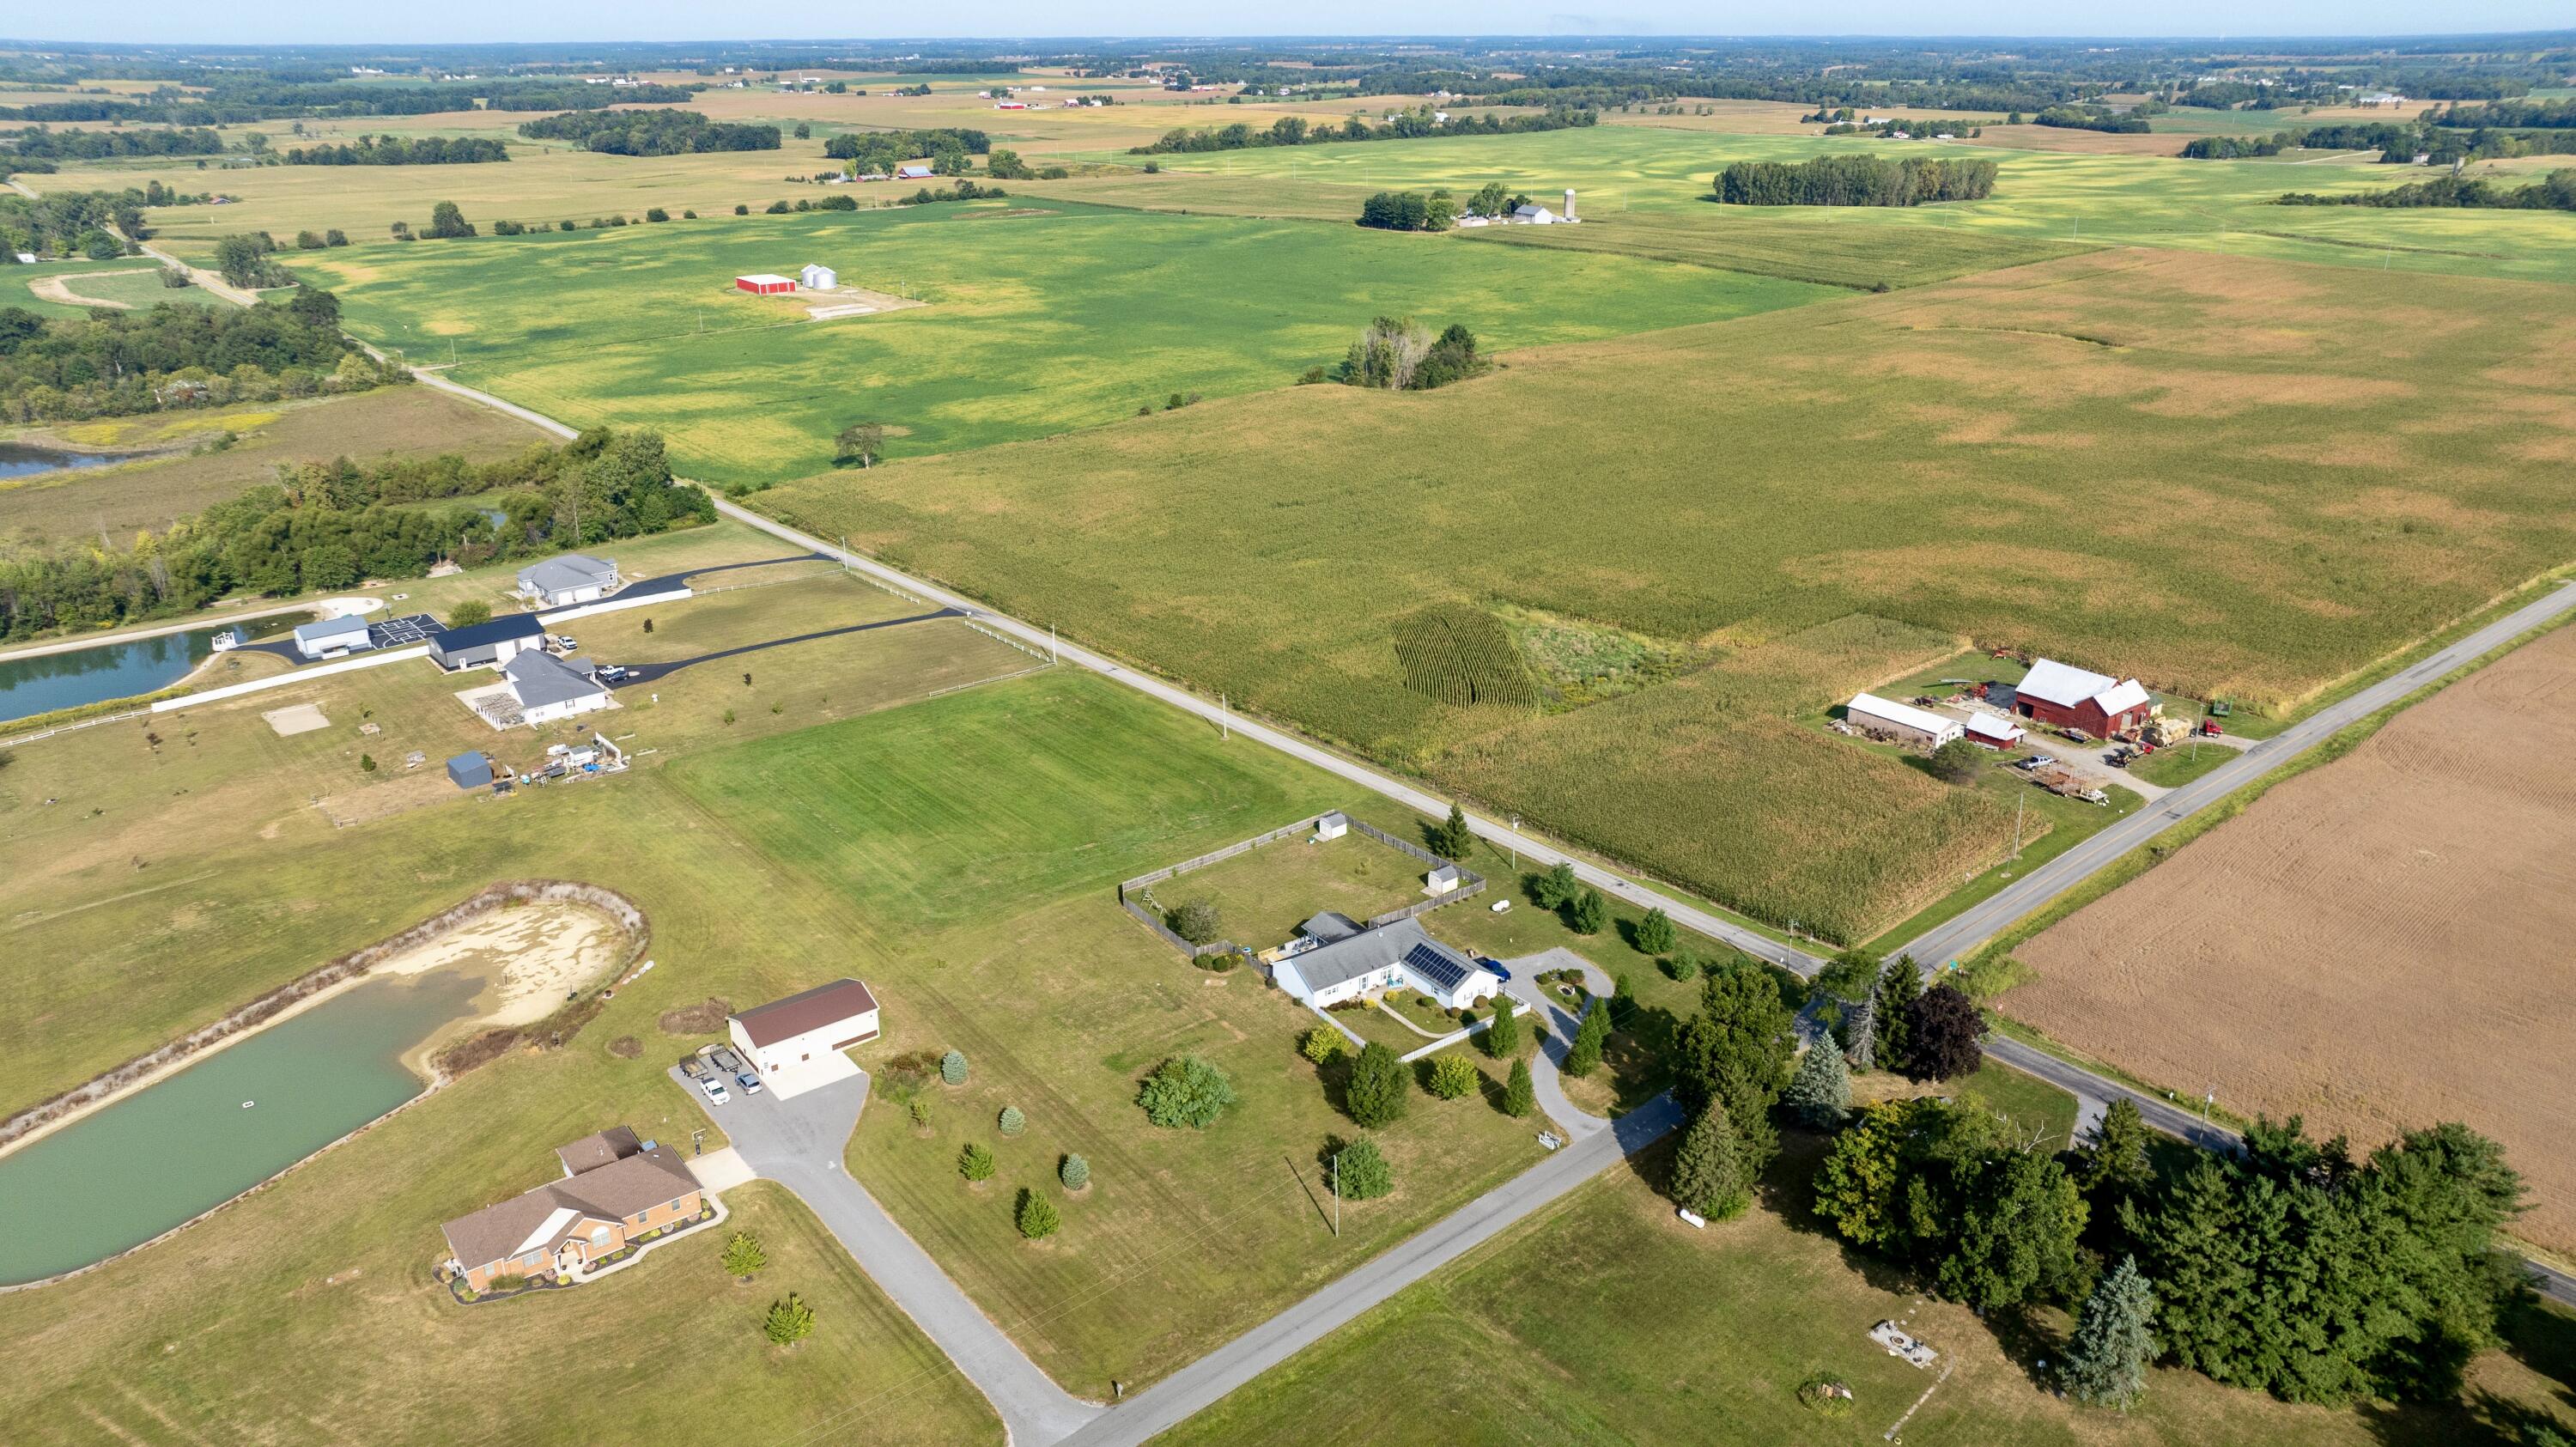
[{"x": 236, "y": 690}]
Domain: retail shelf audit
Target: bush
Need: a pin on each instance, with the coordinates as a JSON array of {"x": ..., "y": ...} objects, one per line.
[
  {"x": 920, "y": 1109},
  {"x": 1011, "y": 1122},
  {"x": 1186, "y": 1091},
  {"x": 975, "y": 1162},
  {"x": 789, "y": 1321},
  {"x": 1323, "y": 1045},
  {"x": 469, "y": 613},
  {"x": 743, "y": 1255},
  {"x": 742, "y": 210},
  {"x": 1452, "y": 1077},
  {"x": 1357, "y": 1171},
  {"x": 335, "y": 237},
  {"x": 656, "y": 213},
  {"x": 1683, "y": 965},
  {"x": 1376, "y": 1095},
  {"x": 1075, "y": 1172},
  {"x": 366, "y": 763},
  {"x": 952, "y": 1067},
  {"x": 1196, "y": 922},
  {"x": 1958, "y": 762},
  {"x": 1038, "y": 1217}
]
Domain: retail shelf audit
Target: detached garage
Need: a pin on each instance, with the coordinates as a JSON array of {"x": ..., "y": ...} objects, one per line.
[{"x": 796, "y": 1043}]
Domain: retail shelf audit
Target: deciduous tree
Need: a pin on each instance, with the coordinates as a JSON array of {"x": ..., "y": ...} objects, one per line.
[
  {"x": 1377, "y": 1090},
  {"x": 1591, "y": 913},
  {"x": 1453, "y": 1077},
  {"x": 1943, "y": 1029},
  {"x": 1186, "y": 1091},
  {"x": 1357, "y": 1170},
  {"x": 1655, "y": 932}
]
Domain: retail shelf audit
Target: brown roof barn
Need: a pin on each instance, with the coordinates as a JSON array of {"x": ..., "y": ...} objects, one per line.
[
  {"x": 615, "y": 1187},
  {"x": 800, "y": 1013}
]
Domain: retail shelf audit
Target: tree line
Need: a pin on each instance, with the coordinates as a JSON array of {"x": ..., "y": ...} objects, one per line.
[
  {"x": 1855, "y": 181},
  {"x": 2543, "y": 114},
  {"x": 881, "y": 151},
  {"x": 116, "y": 363},
  {"x": 60, "y": 223},
  {"x": 650, "y": 133},
  {"x": 234, "y": 102},
  {"x": 2235, "y": 148},
  {"x": 2293, "y": 1267},
  {"x": 2093, "y": 118},
  {"x": 76, "y": 144},
  {"x": 1412, "y": 124},
  {"x": 1400, "y": 354},
  {"x": 2554, "y": 192},
  {"x": 330, "y": 525},
  {"x": 397, "y": 151}
]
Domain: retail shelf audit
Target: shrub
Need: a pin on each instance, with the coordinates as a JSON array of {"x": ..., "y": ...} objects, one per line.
[
  {"x": 335, "y": 237},
  {"x": 1322, "y": 1045},
  {"x": 688, "y": 215},
  {"x": 1358, "y": 1171},
  {"x": 1186, "y": 1091},
  {"x": 742, "y": 210},
  {"x": 920, "y": 1109},
  {"x": 656, "y": 213},
  {"x": 1826, "y": 1396},
  {"x": 1683, "y": 965},
  {"x": 789, "y": 1321},
  {"x": 1038, "y": 1216},
  {"x": 1196, "y": 922},
  {"x": 1011, "y": 1122},
  {"x": 975, "y": 1162},
  {"x": 1452, "y": 1077},
  {"x": 367, "y": 763},
  {"x": 952, "y": 1067},
  {"x": 1376, "y": 1095},
  {"x": 742, "y": 1254},
  {"x": 1075, "y": 1172}
]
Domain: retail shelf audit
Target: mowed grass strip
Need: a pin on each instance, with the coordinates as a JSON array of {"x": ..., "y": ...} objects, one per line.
[{"x": 1043, "y": 317}]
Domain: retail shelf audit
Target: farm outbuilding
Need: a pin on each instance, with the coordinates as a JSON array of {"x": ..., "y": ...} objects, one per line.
[
  {"x": 496, "y": 641},
  {"x": 796, "y": 1043},
  {"x": 1913, "y": 725},
  {"x": 564, "y": 581},
  {"x": 1994, "y": 733},
  {"x": 2063, "y": 696},
  {"x": 818, "y": 278},
  {"x": 549, "y": 688},
  {"x": 332, "y": 637},
  {"x": 763, "y": 283},
  {"x": 470, "y": 771},
  {"x": 912, "y": 173}
]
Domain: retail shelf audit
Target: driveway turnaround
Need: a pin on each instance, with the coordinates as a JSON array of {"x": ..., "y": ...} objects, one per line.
[
  {"x": 1202, "y": 1383},
  {"x": 798, "y": 1144}
]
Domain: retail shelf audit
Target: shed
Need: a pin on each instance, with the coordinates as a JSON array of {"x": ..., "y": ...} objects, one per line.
[
  {"x": 818, "y": 278},
  {"x": 470, "y": 771},
  {"x": 496, "y": 641},
  {"x": 564, "y": 581},
  {"x": 1442, "y": 879},
  {"x": 332, "y": 637},
  {"x": 1332, "y": 826},
  {"x": 1913, "y": 725},
  {"x": 1994, "y": 733},
  {"x": 762, "y": 283}
]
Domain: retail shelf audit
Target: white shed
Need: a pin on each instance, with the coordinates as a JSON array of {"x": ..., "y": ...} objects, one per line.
[
  {"x": 1440, "y": 880},
  {"x": 818, "y": 278},
  {"x": 332, "y": 637},
  {"x": 797, "y": 1042},
  {"x": 1332, "y": 826},
  {"x": 1914, "y": 725}
]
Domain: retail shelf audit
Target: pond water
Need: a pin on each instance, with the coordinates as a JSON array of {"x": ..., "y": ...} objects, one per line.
[
  {"x": 187, "y": 1143},
  {"x": 18, "y": 459},
  {"x": 30, "y": 686}
]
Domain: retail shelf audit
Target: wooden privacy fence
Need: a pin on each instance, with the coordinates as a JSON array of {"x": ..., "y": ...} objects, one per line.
[{"x": 1470, "y": 883}]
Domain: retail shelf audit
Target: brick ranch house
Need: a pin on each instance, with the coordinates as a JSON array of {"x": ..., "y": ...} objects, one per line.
[{"x": 615, "y": 1187}]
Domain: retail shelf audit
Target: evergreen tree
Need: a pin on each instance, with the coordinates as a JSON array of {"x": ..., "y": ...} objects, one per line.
[
  {"x": 1898, "y": 986},
  {"x": 742, "y": 1254},
  {"x": 1075, "y": 1173},
  {"x": 789, "y": 1321},
  {"x": 1820, "y": 1092},
  {"x": 2106, "y": 1362},
  {"x": 1737, "y": 1049},
  {"x": 1520, "y": 1096},
  {"x": 1453, "y": 1077},
  {"x": 1011, "y": 1122},
  {"x": 1503, "y": 1036},
  {"x": 952, "y": 1067},
  {"x": 1655, "y": 932},
  {"x": 1376, "y": 1094},
  {"x": 1708, "y": 1169},
  {"x": 1591, "y": 913},
  {"x": 975, "y": 1162},
  {"x": 1584, "y": 1055},
  {"x": 2112, "y": 1163},
  {"x": 1038, "y": 1217},
  {"x": 1452, "y": 839},
  {"x": 1358, "y": 1170}
]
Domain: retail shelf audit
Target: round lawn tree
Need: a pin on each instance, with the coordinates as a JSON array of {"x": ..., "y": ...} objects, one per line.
[
  {"x": 1520, "y": 1095},
  {"x": 1011, "y": 1122},
  {"x": 1075, "y": 1172},
  {"x": 469, "y": 613},
  {"x": 1377, "y": 1090},
  {"x": 1819, "y": 1094},
  {"x": 1323, "y": 1045},
  {"x": 1358, "y": 1171},
  {"x": 1197, "y": 922},
  {"x": 1944, "y": 1029},
  {"x": 952, "y": 1067},
  {"x": 1555, "y": 889},
  {"x": 1655, "y": 933},
  {"x": 1503, "y": 1037},
  {"x": 1185, "y": 1091},
  {"x": 975, "y": 1162},
  {"x": 1591, "y": 913},
  {"x": 1957, "y": 762},
  {"x": 1038, "y": 1217},
  {"x": 1453, "y": 1077}
]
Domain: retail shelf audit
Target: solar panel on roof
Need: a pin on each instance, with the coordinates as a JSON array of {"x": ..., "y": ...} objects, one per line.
[{"x": 1435, "y": 965}]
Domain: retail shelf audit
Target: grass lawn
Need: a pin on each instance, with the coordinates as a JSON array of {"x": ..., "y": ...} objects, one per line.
[
  {"x": 1042, "y": 317},
  {"x": 154, "y": 491},
  {"x": 1604, "y": 1320},
  {"x": 2182, "y": 763},
  {"x": 1262, "y": 896}
]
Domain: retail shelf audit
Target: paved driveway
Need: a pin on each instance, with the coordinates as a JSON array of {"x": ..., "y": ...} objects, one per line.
[{"x": 798, "y": 1144}]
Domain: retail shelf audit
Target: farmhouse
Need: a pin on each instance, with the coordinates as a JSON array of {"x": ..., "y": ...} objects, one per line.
[
  {"x": 549, "y": 688},
  {"x": 572, "y": 578},
  {"x": 1912, "y": 725},
  {"x": 2066, "y": 697},
  {"x": 1994, "y": 733},
  {"x": 818, "y": 278},
  {"x": 1345, "y": 960},
  {"x": 497, "y": 641},
  {"x": 796, "y": 1043},
  {"x": 332, "y": 637},
  {"x": 615, "y": 1188},
  {"x": 762, "y": 283}
]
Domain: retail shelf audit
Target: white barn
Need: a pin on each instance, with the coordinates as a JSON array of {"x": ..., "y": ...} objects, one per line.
[
  {"x": 332, "y": 637},
  {"x": 1349, "y": 962},
  {"x": 572, "y": 578},
  {"x": 818, "y": 278},
  {"x": 549, "y": 688},
  {"x": 1914, "y": 725},
  {"x": 795, "y": 1044}
]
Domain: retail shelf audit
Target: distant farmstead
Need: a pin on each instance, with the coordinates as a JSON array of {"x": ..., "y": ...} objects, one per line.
[{"x": 762, "y": 283}]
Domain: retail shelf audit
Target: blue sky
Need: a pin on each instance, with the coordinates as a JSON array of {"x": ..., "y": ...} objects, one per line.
[{"x": 194, "y": 22}]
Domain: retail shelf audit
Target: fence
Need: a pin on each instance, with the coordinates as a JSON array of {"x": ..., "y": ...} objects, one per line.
[
  {"x": 319, "y": 670},
  {"x": 1470, "y": 883}
]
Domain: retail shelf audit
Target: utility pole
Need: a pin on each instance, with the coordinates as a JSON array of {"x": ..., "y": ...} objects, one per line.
[
  {"x": 1516, "y": 844},
  {"x": 1224, "y": 729},
  {"x": 1052, "y": 655},
  {"x": 1337, "y": 1195},
  {"x": 2020, "y": 802}
]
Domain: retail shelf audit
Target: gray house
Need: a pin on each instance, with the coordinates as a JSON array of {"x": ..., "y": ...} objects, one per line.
[
  {"x": 332, "y": 637},
  {"x": 495, "y": 642},
  {"x": 572, "y": 578}
]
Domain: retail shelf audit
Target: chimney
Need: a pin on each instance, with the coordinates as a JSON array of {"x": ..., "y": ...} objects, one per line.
[{"x": 1569, "y": 203}]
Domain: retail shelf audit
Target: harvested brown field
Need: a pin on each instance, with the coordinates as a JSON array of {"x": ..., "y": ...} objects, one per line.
[{"x": 2377, "y": 945}]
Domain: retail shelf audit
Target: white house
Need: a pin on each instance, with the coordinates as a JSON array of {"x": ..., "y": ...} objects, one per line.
[
  {"x": 332, "y": 637},
  {"x": 1913, "y": 725},
  {"x": 818, "y": 278},
  {"x": 795, "y": 1044},
  {"x": 1397, "y": 956},
  {"x": 549, "y": 688},
  {"x": 572, "y": 578}
]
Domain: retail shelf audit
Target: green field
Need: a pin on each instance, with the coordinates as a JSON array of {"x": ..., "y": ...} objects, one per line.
[
  {"x": 1043, "y": 318},
  {"x": 2111, "y": 459},
  {"x": 1603, "y": 1321},
  {"x": 135, "y": 281},
  {"x": 2039, "y": 197}
]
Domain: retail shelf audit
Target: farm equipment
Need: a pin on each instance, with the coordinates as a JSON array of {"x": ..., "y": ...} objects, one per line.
[
  {"x": 2219, "y": 708},
  {"x": 2066, "y": 784}
]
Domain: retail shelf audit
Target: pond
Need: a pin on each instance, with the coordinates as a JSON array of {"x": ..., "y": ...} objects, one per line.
[
  {"x": 196, "y": 1139},
  {"x": 30, "y": 686},
  {"x": 19, "y": 459}
]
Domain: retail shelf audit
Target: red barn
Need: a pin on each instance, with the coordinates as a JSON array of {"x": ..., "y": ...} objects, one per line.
[
  {"x": 764, "y": 284},
  {"x": 2065, "y": 697}
]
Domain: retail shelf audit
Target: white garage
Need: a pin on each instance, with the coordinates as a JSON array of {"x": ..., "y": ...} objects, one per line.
[{"x": 796, "y": 1043}]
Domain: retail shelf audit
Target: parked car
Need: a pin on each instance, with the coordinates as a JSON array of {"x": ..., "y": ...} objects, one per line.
[
  {"x": 749, "y": 1082},
  {"x": 612, "y": 673},
  {"x": 715, "y": 1090},
  {"x": 1497, "y": 967}
]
